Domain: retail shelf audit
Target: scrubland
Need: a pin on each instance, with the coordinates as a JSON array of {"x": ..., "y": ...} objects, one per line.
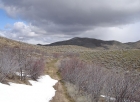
[{"x": 84, "y": 74}]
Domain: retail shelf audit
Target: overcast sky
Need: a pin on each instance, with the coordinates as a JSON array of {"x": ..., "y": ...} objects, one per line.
[{"x": 47, "y": 21}]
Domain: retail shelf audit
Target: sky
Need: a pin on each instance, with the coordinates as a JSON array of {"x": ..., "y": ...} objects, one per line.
[{"x": 48, "y": 21}]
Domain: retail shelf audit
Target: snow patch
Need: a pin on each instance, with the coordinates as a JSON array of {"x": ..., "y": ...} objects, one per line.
[
  {"x": 108, "y": 97},
  {"x": 40, "y": 91}
]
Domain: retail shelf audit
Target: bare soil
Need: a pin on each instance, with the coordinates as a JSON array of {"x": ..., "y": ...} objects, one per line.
[{"x": 60, "y": 95}]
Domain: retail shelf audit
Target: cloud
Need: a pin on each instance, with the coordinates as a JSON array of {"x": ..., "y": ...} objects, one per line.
[
  {"x": 68, "y": 18},
  {"x": 20, "y": 30},
  {"x": 28, "y": 33},
  {"x": 126, "y": 33}
]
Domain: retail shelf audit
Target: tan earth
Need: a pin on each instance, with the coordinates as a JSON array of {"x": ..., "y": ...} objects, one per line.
[{"x": 60, "y": 95}]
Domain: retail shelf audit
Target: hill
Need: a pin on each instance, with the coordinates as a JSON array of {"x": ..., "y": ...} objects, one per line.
[
  {"x": 63, "y": 58},
  {"x": 97, "y": 44},
  {"x": 11, "y": 49}
]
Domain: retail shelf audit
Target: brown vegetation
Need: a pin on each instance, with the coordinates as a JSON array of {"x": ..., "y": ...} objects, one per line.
[
  {"x": 93, "y": 81},
  {"x": 84, "y": 74},
  {"x": 19, "y": 62}
]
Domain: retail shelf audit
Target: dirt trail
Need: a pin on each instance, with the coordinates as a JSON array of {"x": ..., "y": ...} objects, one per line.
[{"x": 60, "y": 94}]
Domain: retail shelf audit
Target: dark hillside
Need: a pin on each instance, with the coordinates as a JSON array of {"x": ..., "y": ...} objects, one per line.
[{"x": 97, "y": 44}]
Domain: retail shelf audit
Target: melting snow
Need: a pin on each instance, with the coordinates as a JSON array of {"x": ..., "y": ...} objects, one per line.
[{"x": 41, "y": 91}]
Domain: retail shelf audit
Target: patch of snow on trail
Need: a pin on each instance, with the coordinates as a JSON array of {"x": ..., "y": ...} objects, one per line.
[{"x": 40, "y": 91}]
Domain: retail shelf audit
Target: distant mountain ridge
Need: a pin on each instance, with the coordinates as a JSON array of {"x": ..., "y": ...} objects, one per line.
[{"x": 97, "y": 44}]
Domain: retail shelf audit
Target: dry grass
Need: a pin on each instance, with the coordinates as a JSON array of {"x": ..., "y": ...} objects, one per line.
[
  {"x": 121, "y": 59},
  {"x": 61, "y": 91},
  {"x": 51, "y": 67}
]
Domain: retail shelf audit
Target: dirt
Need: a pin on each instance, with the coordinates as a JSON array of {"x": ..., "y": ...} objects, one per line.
[{"x": 60, "y": 95}]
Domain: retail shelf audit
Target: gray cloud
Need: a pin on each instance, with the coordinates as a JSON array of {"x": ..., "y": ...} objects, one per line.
[
  {"x": 70, "y": 18},
  {"x": 30, "y": 34}
]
